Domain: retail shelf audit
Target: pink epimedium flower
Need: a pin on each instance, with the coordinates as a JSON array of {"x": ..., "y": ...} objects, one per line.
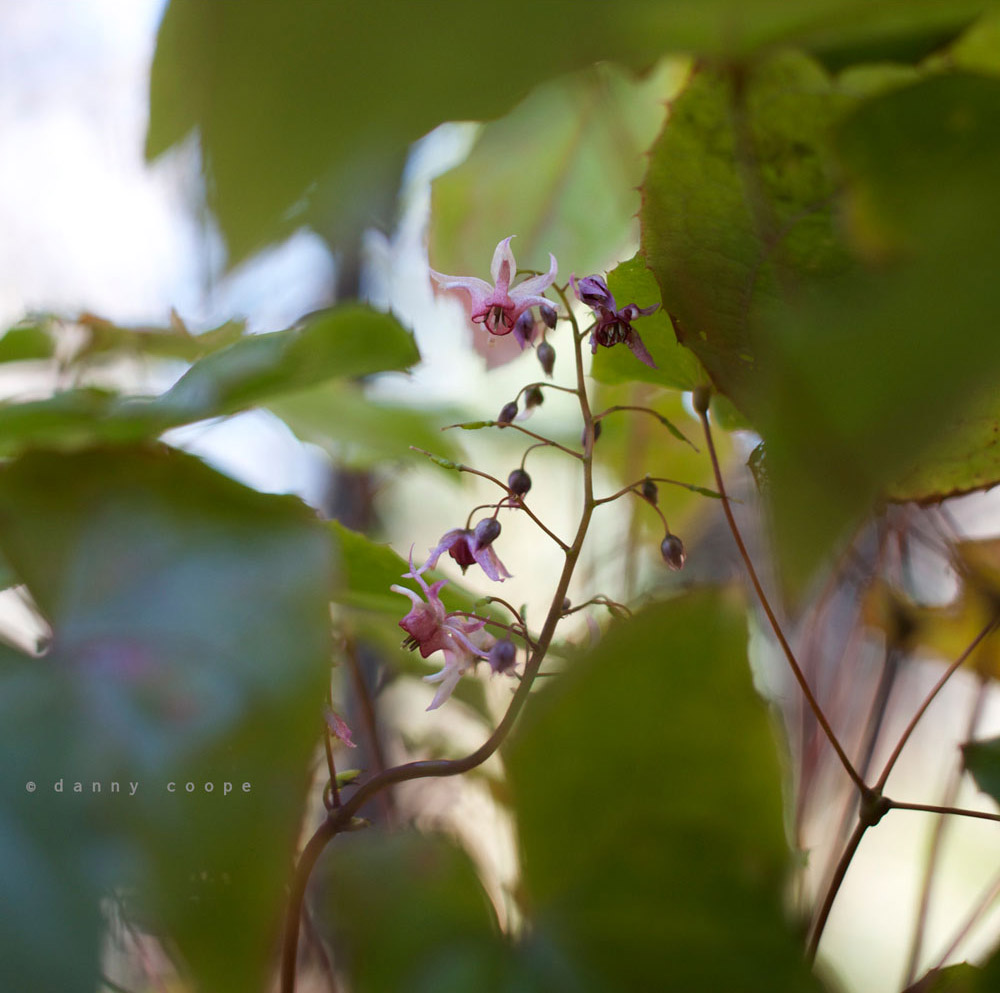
[
  {"x": 613, "y": 325},
  {"x": 470, "y": 547},
  {"x": 499, "y": 307},
  {"x": 430, "y": 628}
]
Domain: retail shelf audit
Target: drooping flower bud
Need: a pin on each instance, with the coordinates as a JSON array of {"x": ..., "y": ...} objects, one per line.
[
  {"x": 524, "y": 329},
  {"x": 519, "y": 482},
  {"x": 533, "y": 397},
  {"x": 508, "y": 412},
  {"x": 650, "y": 491},
  {"x": 503, "y": 655},
  {"x": 597, "y": 434},
  {"x": 487, "y": 532},
  {"x": 548, "y": 315},
  {"x": 546, "y": 358},
  {"x": 672, "y": 550},
  {"x": 566, "y": 604}
]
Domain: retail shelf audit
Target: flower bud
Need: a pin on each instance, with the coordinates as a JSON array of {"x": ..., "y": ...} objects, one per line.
[
  {"x": 672, "y": 550},
  {"x": 503, "y": 655},
  {"x": 508, "y": 413},
  {"x": 487, "y": 532},
  {"x": 649, "y": 491},
  {"x": 548, "y": 315},
  {"x": 597, "y": 434},
  {"x": 524, "y": 328},
  {"x": 546, "y": 358},
  {"x": 533, "y": 397},
  {"x": 566, "y": 604},
  {"x": 519, "y": 482}
]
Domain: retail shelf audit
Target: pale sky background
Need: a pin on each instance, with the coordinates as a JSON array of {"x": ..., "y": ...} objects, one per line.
[{"x": 84, "y": 224}]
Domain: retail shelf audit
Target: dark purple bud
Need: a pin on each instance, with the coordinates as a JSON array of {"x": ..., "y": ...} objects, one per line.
[
  {"x": 546, "y": 358},
  {"x": 533, "y": 397},
  {"x": 672, "y": 550},
  {"x": 597, "y": 434},
  {"x": 487, "y": 532},
  {"x": 508, "y": 413},
  {"x": 548, "y": 315},
  {"x": 566, "y": 604},
  {"x": 503, "y": 656},
  {"x": 649, "y": 491},
  {"x": 524, "y": 328},
  {"x": 519, "y": 482},
  {"x": 594, "y": 292}
]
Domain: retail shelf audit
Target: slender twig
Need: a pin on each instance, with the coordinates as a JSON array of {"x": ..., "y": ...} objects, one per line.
[
  {"x": 548, "y": 442},
  {"x": 328, "y": 745},
  {"x": 632, "y": 487},
  {"x": 673, "y": 429},
  {"x": 931, "y": 808},
  {"x": 937, "y": 838},
  {"x": 831, "y": 892},
  {"x": 546, "y": 386},
  {"x": 340, "y": 819},
  {"x": 516, "y": 503},
  {"x": 929, "y": 699},
  {"x": 701, "y": 406}
]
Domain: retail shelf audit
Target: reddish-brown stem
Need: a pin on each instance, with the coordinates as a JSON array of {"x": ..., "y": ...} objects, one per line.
[
  {"x": 772, "y": 619},
  {"x": 340, "y": 819},
  {"x": 831, "y": 892}
]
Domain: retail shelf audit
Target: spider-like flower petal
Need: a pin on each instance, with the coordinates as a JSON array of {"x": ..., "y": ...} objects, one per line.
[
  {"x": 613, "y": 325},
  {"x": 498, "y": 307}
]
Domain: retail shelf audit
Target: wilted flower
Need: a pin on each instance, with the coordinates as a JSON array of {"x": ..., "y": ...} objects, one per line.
[
  {"x": 430, "y": 628},
  {"x": 613, "y": 325},
  {"x": 499, "y": 307},
  {"x": 468, "y": 547}
]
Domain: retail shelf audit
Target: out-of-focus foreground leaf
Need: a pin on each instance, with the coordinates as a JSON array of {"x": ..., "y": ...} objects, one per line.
[
  {"x": 305, "y": 111},
  {"x": 561, "y": 171},
  {"x": 190, "y": 640},
  {"x": 865, "y": 377},
  {"x": 648, "y": 796},
  {"x": 347, "y": 341}
]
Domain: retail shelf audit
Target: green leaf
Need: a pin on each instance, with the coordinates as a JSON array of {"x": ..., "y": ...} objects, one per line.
[
  {"x": 345, "y": 342},
  {"x": 982, "y": 760},
  {"x": 359, "y": 431},
  {"x": 738, "y": 204},
  {"x": 351, "y": 340},
  {"x": 677, "y": 367},
  {"x": 585, "y": 137},
  {"x": 27, "y": 340},
  {"x": 867, "y": 377},
  {"x": 305, "y": 114},
  {"x": 190, "y": 644},
  {"x": 105, "y": 338},
  {"x": 685, "y": 840},
  {"x": 963, "y": 978},
  {"x": 427, "y": 924}
]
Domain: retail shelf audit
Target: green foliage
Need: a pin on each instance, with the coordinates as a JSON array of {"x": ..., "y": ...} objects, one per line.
[
  {"x": 561, "y": 171},
  {"x": 190, "y": 640},
  {"x": 349, "y": 341},
  {"x": 649, "y": 827},
  {"x": 982, "y": 760},
  {"x": 676, "y": 367}
]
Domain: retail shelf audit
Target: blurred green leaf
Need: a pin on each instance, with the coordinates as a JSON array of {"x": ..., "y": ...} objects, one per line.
[
  {"x": 351, "y": 340},
  {"x": 345, "y": 342},
  {"x": 409, "y": 914},
  {"x": 296, "y": 127},
  {"x": 561, "y": 171},
  {"x": 190, "y": 644},
  {"x": 677, "y": 367},
  {"x": 27, "y": 340},
  {"x": 175, "y": 342},
  {"x": 982, "y": 760},
  {"x": 359, "y": 431},
  {"x": 867, "y": 377},
  {"x": 738, "y": 205},
  {"x": 962, "y": 978},
  {"x": 671, "y": 875}
]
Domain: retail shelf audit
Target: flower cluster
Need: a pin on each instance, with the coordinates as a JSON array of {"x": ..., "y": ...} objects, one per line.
[{"x": 507, "y": 307}]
